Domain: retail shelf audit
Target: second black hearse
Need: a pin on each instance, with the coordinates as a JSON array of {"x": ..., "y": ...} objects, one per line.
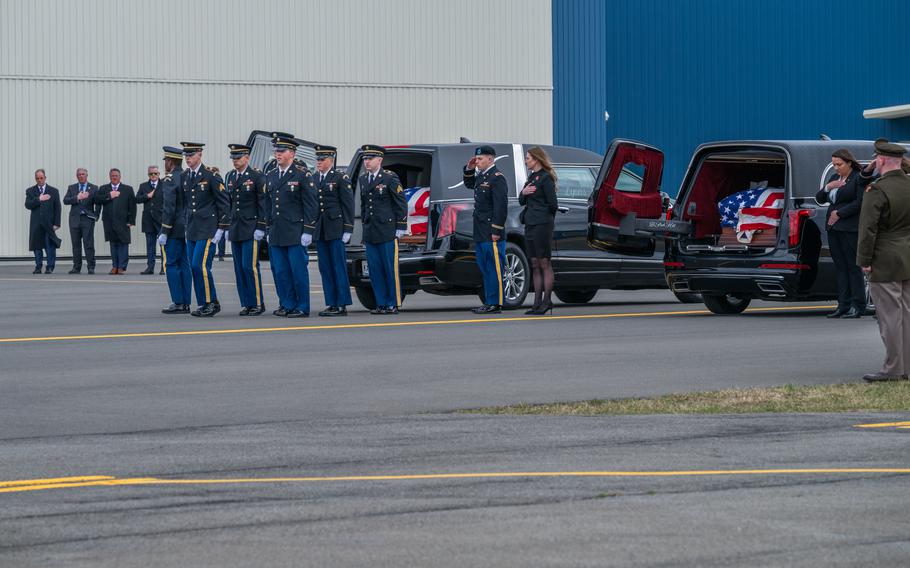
[{"x": 788, "y": 262}]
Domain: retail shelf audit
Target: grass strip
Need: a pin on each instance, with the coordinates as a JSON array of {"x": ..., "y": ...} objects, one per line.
[{"x": 788, "y": 398}]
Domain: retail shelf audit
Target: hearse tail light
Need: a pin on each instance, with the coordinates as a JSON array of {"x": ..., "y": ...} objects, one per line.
[
  {"x": 795, "y": 217},
  {"x": 668, "y": 264}
]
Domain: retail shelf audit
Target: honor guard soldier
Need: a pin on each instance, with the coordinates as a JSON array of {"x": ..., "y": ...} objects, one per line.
[
  {"x": 384, "y": 210},
  {"x": 491, "y": 200},
  {"x": 172, "y": 239},
  {"x": 208, "y": 207},
  {"x": 249, "y": 202},
  {"x": 883, "y": 252},
  {"x": 291, "y": 224},
  {"x": 334, "y": 225}
]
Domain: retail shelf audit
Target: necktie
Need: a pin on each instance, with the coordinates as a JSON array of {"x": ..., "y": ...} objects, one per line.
[
  {"x": 321, "y": 178},
  {"x": 371, "y": 178},
  {"x": 82, "y": 188}
]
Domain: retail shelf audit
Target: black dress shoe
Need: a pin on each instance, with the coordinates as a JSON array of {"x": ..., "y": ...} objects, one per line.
[
  {"x": 176, "y": 309},
  {"x": 207, "y": 310},
  {"x": 329, "y": 311},
  {"x": 390, "y": 310},
  {"x": 161, "y": 272},
  {"x": 75, "y": 271},
  {"x": 49, "y": 270},
  {"x": 197, "y": 313},
  {"x": 245, "y": 311},
  {"x": 297, "y": 314},
  {"x": 488, "y": 309},
  {"x": 37, "y": 270},
  {"x": 148, "y": 271},
  {"x": 91, "y": 270},
  {"x": 341, "y": 311},
  {"x": 280, "y": 312},
  {"x": 216, "y": 307},
  {"x": 882, "y": 378},
  {"x": 378, "y": 310},
  {"x": 479, "y": 309},
  {"x": 257, "y": 311},
  {"x": 839, "y": 312},
  {"x": 852, "y": 313}
]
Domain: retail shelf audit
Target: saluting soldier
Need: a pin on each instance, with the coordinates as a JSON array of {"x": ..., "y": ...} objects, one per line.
[
  {"x": 883, "y": 252},
  {"x": 491, "y": 200},
  {"x": 249, "y": 201},
  {"x": 291, "y": 224},
  {"x": 208, "y": 206},
  {"x": 334, "y": 225},
  {"x": 173, "y": 234},
  {"x": 384, "y": 210}
]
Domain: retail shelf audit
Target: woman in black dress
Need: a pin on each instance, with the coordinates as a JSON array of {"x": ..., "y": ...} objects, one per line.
[
  {"x": 844, "y": 193},
  {"x": 539, "y": 199}
]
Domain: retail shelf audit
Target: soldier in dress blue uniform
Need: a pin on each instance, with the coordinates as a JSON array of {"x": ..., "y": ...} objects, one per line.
[
  {"x": 384, "y": 210},
  {"x": 491, "y": 200},
  {"x": 173, "y": 234},
  {"x": 334, "y": 225},
  {"x": 291, "y": 224},
  {"x": 208, "y": 207},
  {"x": 249, "y": 201}
]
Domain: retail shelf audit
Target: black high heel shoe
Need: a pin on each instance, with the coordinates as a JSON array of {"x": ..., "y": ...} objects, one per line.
[
  {"x": 544, "y": 308},
  {"x": 533, "y": 310}
]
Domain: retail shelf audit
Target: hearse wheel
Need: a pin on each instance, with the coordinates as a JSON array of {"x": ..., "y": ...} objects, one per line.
[
  {"x": 727, "y": 304},
  {"x": 576, "y": 296}
]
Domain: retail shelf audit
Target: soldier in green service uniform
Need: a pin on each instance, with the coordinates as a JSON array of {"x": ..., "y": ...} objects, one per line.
[{"x": 883, "y": 252}]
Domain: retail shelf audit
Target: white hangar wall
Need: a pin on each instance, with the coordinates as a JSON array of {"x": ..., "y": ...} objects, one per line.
[{"x": 105, "y": 83}]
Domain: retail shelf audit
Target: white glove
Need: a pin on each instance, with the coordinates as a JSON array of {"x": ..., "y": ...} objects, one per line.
[
  {"x": 218, "y": 235},
  {"x": 346, "y": 238},
  {"x": 258, "y": 234},
  {"x": 306, "y": 239},
  {"x": 227, "y": 237},
  {"x": 400, "y": 233},
  {"x": 267, "y": 238},
  {"x": 162, "y": 239}
]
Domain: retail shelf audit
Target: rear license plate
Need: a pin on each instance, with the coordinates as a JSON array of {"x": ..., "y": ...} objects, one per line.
[{"x": 365, "y": 267}]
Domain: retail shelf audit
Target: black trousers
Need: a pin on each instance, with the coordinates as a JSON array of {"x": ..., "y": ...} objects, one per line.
[
  {"x": 83, "y": 236},
  {"x": 851, "y": 288},
  {"x": 151, "y": 248}
]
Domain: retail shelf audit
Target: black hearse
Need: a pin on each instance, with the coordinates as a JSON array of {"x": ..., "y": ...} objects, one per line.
[
  {"x": 790, "y": 262},
  {"x": 438, "y": 254}
]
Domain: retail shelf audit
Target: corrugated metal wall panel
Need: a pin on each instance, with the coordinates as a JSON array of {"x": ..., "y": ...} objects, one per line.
[
  {"x": 101, "y": 84},
  {"x": 676, "y": 74},
  {"x": 61, "y": 125},
  {"x": 438, "y": 42}
]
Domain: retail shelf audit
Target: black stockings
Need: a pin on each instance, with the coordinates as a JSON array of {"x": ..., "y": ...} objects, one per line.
[{"x": 543, "y": 281}]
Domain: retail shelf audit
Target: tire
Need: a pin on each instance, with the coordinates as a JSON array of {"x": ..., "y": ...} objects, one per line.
[
  {"x": 688, "y": 297},
  {"x": 366, "y": 296},
  {"x": 576, "y": 296},
  {"x": 726, "y": 305},
  {"x": 516, "y": 277}
]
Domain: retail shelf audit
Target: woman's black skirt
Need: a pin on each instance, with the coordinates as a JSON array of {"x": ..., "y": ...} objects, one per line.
[{"x": 538, "y": 239}]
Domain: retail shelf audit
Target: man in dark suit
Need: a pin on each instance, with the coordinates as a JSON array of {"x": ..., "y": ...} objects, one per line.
[
  {"x": 151, "y": 199},
  {"x": 118, "y": 202},
  {"x": 291, "y": 223},
  {"x": 384, "y": 211},
  {"x": 83, "y": 213},
  {"x": 249, "y": 204},
  {"x": 208, "y": 207},
  {"x": 334, "y": 226},
  {"x": 44, "y": 203}
]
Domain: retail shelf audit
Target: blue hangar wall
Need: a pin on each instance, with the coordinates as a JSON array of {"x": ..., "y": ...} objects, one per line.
[{"x": 677, "y": 73}]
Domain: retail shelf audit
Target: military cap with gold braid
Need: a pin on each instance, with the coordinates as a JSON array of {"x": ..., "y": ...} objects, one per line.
[
  {"x": 885, "y": 148},
  {"x": 323, "y": 152},
  {"x": 238, "y": 150},
  {"x": 284, "y": 141},
  {"x": 190, "y": 148},
  {"x": 372, "y": 151},
  {"x": 173, "y": 153}
]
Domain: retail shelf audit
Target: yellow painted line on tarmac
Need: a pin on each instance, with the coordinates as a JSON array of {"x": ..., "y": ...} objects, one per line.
[
  {"x": 384, "y": 325},
  {"x": 16, "y": 486},
  {"x": 884, "y": 425},
  {"x": 55, "y": 480}
]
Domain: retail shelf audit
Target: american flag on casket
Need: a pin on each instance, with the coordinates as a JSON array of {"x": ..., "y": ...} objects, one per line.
[
  {"x": 755, "y": 209},
  {"x": 418, "y": 209}
]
